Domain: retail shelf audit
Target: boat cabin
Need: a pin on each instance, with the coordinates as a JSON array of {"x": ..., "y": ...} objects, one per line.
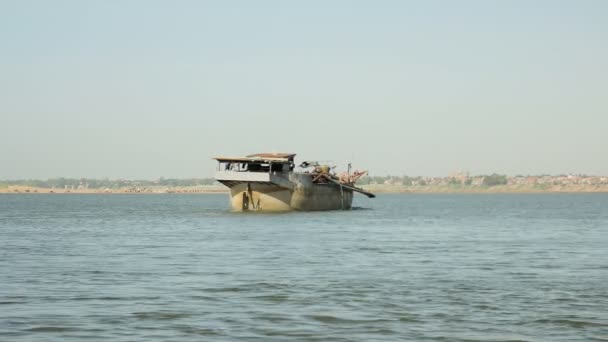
[{"x": 261, "y": 162}]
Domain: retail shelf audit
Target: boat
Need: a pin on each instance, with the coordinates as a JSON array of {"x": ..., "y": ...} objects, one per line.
[{"x": 271, "y": 182}]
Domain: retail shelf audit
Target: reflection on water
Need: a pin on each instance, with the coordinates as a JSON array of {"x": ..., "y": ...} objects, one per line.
[{"x": 413, "y": 267}]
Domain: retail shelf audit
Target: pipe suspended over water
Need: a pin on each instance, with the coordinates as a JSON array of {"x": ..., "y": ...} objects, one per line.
[{"x": 351, "y": 187}]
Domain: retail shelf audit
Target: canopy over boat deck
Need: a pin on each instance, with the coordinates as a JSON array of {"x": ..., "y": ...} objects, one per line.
[{"x": 280, "y": 158}]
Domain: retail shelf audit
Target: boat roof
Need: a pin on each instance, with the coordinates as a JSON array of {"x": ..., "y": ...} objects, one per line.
[
  {"x": 273, "y": 155},
  {"x": 259, "y": 157}
]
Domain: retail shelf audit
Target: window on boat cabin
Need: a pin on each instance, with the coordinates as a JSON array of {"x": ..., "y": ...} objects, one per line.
[
  {"x": 230, "y": 166},
  {"x": 260, "y": 167},
  {"x": 233, "y": 166},
  {"x": 279, "y": 168},
  {"x": 253, "y": 167},
  {"x": 257, "y": 167}
]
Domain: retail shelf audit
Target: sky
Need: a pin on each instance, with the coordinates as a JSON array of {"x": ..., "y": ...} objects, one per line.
[{"x": 148, "y": 89}]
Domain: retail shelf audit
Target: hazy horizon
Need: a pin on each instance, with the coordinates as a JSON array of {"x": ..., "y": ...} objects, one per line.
[
  {"x": 397, "y": 176},
  {"x": 144, "y": 89}
]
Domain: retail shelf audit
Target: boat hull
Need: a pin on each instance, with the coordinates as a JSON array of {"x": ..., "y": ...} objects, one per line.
[
  {"x": 303, "y": 195},
  {"x": 259, "y": 197}
]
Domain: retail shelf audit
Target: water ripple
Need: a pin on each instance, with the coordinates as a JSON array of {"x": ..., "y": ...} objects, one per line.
[{"x": 404, "y": 267}]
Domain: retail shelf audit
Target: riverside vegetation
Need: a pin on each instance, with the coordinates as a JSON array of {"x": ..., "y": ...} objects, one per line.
[{"x": 459, "y": 182}]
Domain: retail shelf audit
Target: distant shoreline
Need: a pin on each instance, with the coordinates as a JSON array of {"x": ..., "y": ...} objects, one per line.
[
  {"x": 456, "y": 183},
  {"x": 20, "y": 189},
  {"x": 497, "y": 189},
  {"x": 376, "y": 188}
]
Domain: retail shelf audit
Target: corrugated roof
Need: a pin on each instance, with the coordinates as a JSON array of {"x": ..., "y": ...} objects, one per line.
[
  {"x": 272, "y": 155},
  {"x": 251, "y": 159}
]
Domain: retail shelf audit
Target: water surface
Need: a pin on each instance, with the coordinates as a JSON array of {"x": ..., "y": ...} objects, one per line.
[{"x": 398, "y": 267}]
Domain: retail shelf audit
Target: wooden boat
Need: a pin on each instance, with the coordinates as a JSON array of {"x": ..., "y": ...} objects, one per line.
[{"x": 269, "y": 182}]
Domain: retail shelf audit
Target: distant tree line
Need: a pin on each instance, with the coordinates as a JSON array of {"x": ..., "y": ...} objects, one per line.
[
  {"x": 60, "y": 183},
  {"x": 494, "y": 179},
  {"x": 486, "y": 180},
  {"x": 455, "y": 181}
]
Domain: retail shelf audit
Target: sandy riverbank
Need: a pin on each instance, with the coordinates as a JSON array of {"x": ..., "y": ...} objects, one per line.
[
  {"x": 515, "y": 189},
  {"x": 155, "y": 190},
  {"x": 380, "y": 189}
]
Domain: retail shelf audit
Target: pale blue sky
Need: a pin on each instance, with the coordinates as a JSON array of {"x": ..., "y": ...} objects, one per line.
[{"x": 143, "y": 89}]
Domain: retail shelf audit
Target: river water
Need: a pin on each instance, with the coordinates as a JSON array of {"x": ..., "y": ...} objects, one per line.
[{"x": 398, "y": 267}]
